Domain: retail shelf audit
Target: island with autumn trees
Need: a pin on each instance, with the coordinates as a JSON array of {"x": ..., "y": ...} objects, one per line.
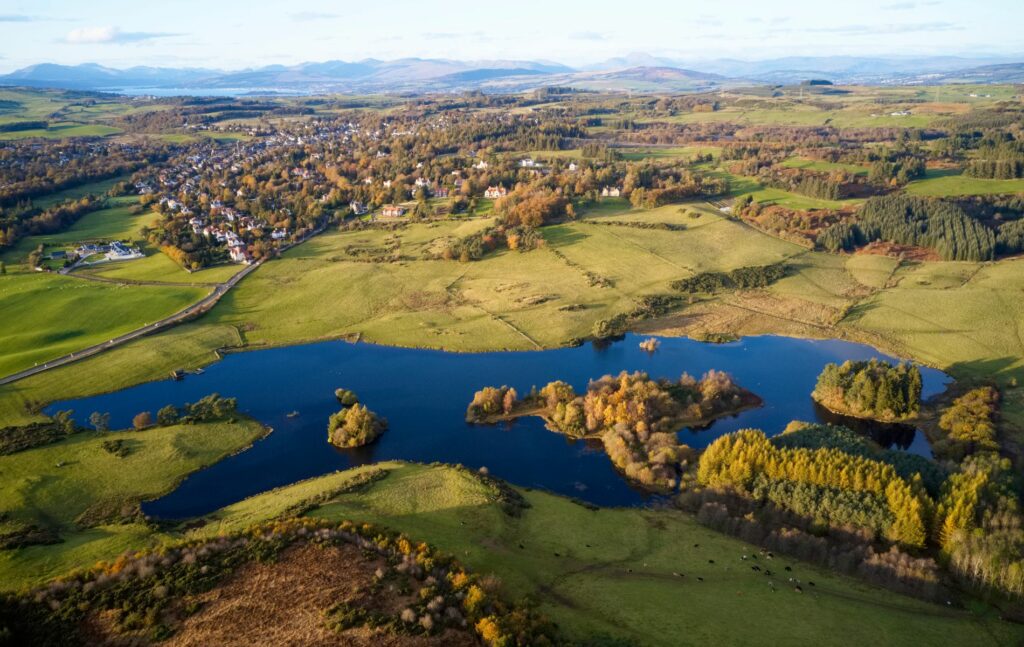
[
  {"x": 634, "y": 416},
  {"x": 354, "y": 425}
]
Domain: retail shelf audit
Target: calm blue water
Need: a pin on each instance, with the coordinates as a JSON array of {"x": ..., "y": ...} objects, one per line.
[{"x": 424, "y": 393}]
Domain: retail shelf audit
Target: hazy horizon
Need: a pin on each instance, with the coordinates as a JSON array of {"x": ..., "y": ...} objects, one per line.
[{"x": 234, "y": 35}]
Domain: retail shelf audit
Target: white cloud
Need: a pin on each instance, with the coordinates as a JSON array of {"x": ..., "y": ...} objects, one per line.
[
  {"x": 588, "y": 35},
  {"x": 110, "y": 35},
  {"x": 308, "y": 16}
]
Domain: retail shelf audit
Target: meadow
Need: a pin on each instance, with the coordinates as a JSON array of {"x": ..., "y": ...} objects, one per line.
[
  {"x": 655, "y": 577},
  {"x": 613, "y": 572},
  {"x": 46, "y": 303},
  {"x": 952, "y": 182},
  {"x": 91, "y": 501}
]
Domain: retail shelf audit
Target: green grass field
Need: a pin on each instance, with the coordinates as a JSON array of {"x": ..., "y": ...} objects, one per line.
[
  {"x": 610, "y": 572},
  {"x": 669, "y": 152},
  {"x": 816, "y": 165},
  {"x": 159, "y": 268},
  {"x": 62, "y": 130},
  {"x": 56, "y": 315},
  {"x": 99, "y": 187},
  {"x": 942, "y": 183},
  {"x": 94, "y": 484}
]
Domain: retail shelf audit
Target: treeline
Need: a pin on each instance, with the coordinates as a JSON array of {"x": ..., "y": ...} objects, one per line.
[
  {"x": 823, "y": 186},
  {"x": 753, "y": 276},
  {"x": 870, "y": 389},
  {"x": 15, "y": 439},
  {"x": 822, "y": 436},
  {"x": 15, "y": 126},
  {"x": 897, "y": 172},
  {"x": 475, "y": 246},
  {"x": 689, "y": 186},
  {"x": 646, "y": 307},
  {"x": 909, "y": 220},
  {"x": 210, "y": 408},
  {"x": 999, "y": 161},
  {"x": 531, "y": 207},
  {"x": 858, "y": 490},
  {"x": 979, "y": 524},
  {"x": 26, "y": 220}
]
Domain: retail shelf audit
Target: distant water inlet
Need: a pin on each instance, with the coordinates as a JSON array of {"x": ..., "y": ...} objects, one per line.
[{"x": 424, "y": 394}]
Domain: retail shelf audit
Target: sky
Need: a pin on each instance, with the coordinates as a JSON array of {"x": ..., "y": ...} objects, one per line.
[{"x": 233, "y": 34}]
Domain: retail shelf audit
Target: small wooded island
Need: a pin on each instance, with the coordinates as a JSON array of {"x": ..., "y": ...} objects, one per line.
[
  {"x": 634, "y": 416},
  {"x": 354, "y": 425},
  {"x": 870, "y": 389}
]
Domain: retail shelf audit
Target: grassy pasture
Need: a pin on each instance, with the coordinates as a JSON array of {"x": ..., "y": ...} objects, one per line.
[
  {"x": 611, "y": 571},
  {"x": 92, "y": 482},
  {"x": 669, "y": 152},
  {"x": 63, "y": 130},
  {"x": 100, "y": 187},
  {"x": 607, "y": 572},
  {"x": 56, "y": 315},
  {"x": 817, "y": 165},
  {"x": 964, "y": 317},
  {"x": 145, "y": 359},
  {"x": 952, "y": 182},
  {"x": 158, "y": 267}
]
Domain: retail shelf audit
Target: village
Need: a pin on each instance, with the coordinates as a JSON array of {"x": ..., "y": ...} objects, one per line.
[{"x": 234, "y": 204}]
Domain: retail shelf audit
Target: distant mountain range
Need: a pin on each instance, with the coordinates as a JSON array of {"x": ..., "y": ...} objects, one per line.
[{"x": 639, "y": 72}]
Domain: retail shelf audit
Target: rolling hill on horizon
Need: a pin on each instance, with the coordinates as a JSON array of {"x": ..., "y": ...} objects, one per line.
[{"x": 633, "y": 72}]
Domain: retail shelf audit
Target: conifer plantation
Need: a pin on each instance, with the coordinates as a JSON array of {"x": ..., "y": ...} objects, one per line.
[{"x": 871, "y": 389}]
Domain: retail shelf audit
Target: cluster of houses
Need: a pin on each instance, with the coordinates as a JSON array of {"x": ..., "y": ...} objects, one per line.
[{"x": 181, "y": 192}]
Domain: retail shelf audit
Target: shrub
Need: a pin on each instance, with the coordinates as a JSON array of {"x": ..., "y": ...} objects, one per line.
[
  {"x": 346, "y": 397},
  {"x": 142, "y": 421}
]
